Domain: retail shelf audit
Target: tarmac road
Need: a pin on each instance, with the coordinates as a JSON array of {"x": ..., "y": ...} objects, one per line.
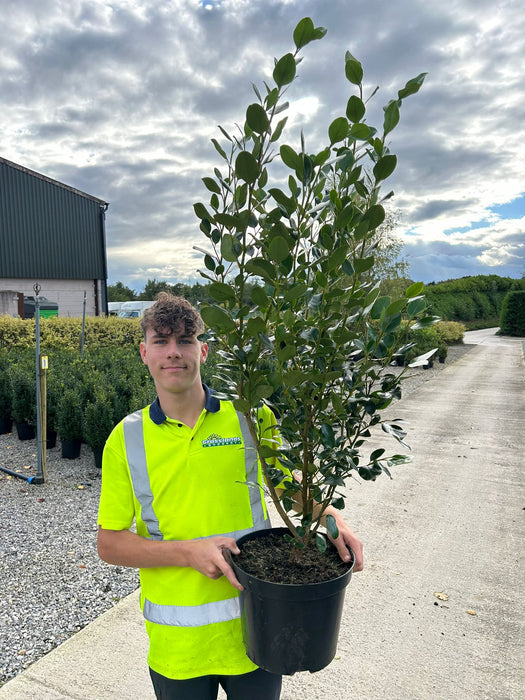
[{"x": 449, "y": 523}]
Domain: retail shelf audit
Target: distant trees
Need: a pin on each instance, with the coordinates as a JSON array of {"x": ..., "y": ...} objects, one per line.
[{"x": 119, "y": 292}]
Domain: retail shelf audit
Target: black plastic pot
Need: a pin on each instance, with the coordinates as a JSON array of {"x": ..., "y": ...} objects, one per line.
[
  {"x": 71, "y": 449},
  {"x": 6, "y": 423},
  {"x": 51, "y": 439},
  {"x": 98, "y": 450},
  {"x": 287, "y": 627},
  {"x": 25, "y": 431}
]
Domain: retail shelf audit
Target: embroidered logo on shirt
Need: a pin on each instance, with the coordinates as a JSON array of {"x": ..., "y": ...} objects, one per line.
[{"x": 217, "y": 441}]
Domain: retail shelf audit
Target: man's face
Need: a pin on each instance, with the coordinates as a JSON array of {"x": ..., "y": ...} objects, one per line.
[{"x": 173, "y": 359}]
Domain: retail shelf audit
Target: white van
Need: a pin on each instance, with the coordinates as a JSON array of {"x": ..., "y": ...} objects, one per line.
[
  {"x": 134, "y": 309},
  {"x": 114, "y": 307}
]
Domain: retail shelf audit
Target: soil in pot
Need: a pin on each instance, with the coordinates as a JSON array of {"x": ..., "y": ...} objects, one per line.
[{"x": 273, "y": 558}]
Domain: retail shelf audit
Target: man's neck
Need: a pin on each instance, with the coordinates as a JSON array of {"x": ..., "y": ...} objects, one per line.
[{"x": 185, "y": 407}]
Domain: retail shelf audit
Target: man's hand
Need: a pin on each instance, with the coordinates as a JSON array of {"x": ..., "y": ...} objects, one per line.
[
  {"x": 347, "y": 537},
  {"x": 207, "y": 557}
]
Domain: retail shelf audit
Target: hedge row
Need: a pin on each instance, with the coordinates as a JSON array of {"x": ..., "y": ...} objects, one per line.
[
  {"x": 473, "y": 300},
  {"x": 66, "y": 333}
]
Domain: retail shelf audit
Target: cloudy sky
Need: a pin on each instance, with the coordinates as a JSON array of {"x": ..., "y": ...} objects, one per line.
[{"x": 121, "y": 98}]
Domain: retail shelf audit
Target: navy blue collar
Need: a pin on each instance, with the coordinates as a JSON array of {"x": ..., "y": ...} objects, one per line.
[{"x": 211, "y": 404}]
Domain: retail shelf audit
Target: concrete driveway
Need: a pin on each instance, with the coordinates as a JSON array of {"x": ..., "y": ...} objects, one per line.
[{"x": 437, "y": 614}]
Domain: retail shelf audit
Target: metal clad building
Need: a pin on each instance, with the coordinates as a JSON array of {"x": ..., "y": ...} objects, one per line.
[{"x": 53, "y": 235}]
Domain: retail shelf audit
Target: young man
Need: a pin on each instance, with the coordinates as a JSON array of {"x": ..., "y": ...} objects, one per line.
[{"x": 177, "y": 469}]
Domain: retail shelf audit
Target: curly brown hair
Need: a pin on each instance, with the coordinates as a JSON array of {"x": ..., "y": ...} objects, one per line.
[{"x": 172, "y": 314}]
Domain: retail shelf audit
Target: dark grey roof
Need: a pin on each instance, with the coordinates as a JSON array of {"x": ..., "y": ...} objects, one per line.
[{"x": 48, "y": 229}]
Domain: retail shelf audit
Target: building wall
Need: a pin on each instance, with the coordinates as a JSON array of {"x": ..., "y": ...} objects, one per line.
[{"x": 68, "y": 294}]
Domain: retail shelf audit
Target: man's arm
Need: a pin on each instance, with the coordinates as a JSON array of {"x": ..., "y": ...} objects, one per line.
[{"x": 125, "y": 548}]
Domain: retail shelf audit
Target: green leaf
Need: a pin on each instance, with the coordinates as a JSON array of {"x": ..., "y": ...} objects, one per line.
[
  {"x": 384, "y": 167},
  {"x": 296, "y": 291},
  {"x": 415, "y": 289},
  {"x": 228, "y": 248},
  {"x": 284, "y": 71},
  {"x": 393, "y": 323},
  {"x": 355, "y": 109},
  {"x": 217, "y": 319},
  {"x": 278, "y": 130},
  {"x": 320, "y": 542},
  {"x": 344, "y": 216},
  {"x": 289, "y": 157},
  {"x": 363, "y": 264},
  {"x": 279, "y": 249},
  {"x": 241, "y": 405},
  {"x": 354, "y": 71},
  {"x": 228, "y": 220},
  {"x": 201, "y": 211},
  {"x": 261, "y": 268},
  {"x": 219, "y": 149},
  {"x": 379, "y": 306},
  {"x": 259, "y": 297},
  {"x": 396, "y": 307},
  {"x": 211, "y": 185},
  {"x": 328, "y": 435},
  {"x": 391, "y": 116},
  {"x": 221, "y": 291},
  {"x": 279, "y": 196},
  {"x": 246, "y": 167},
  {"x": 360, "y": 131},
  {"x": 375, "y": 216},
  {"x": 332, "y": 527},
  {"x": 338, "y": 130},
  {"x": 209, "y": 262},
  {"x": 416, "y": 306},
  {"x": 304, "y": 32},
  {"x": 257, "y": 119},
  {"x": 412, "y": 86},
  {"x": 255, "y": 325}
]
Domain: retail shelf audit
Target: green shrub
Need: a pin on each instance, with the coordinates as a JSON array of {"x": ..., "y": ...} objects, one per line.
[
  {"x": 450, "y": 332},
  {"x": 426, "y": 339},
  {"x": 512, "y": 320},
  {"x": 6, "y": 394},
  {"x": 69, "y": 416},
  {"x": 98, "y": 420},
  {"x": 23, "y": 386}
]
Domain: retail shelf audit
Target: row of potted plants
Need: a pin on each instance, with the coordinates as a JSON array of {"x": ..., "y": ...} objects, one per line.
[{"x": 84, "y": 398}]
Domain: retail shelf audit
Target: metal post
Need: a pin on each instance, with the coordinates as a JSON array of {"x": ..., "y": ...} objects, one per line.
[
  {"x": 39, "y": 478},
  {"x": 43, "y": 412}
]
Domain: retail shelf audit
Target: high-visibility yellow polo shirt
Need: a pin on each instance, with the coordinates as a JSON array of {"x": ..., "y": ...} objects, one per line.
[{"x": 179, "y": 483}]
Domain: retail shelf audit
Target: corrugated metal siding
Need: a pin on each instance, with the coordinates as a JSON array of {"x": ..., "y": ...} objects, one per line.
[{"x": 48, "y": 230}]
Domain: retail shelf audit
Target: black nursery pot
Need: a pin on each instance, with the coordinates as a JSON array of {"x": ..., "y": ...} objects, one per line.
[
  {"x": 71, "y": 449},
  {"x": 6, "y": 423},
  {"x": 25, "y": 431},
  {"x": 288, "y": 627}
]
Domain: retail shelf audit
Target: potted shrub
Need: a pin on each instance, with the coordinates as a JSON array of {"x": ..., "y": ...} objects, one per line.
[
  {"x": 98, "y": 422},
  {"x": 24, "y": 402},
  {"x": 298, "y": 324},
  {"x": 6, "y": 419},
  {"x": 69, "y": 423}
]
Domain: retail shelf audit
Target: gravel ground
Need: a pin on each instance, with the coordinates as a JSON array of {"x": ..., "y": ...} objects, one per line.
[{"x": 52, "y": 583}]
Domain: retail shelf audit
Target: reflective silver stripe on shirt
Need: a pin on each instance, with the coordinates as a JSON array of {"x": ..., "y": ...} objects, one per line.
[
  {"x": 192, "y": 615},
  {"x": 138, "y": 469},
  {"x": 188, "y": 615},
  {"x": 251, "y": 467}
]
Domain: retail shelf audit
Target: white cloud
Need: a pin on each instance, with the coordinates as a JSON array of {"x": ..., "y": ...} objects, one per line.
[{"x": 121, "y": 98}]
